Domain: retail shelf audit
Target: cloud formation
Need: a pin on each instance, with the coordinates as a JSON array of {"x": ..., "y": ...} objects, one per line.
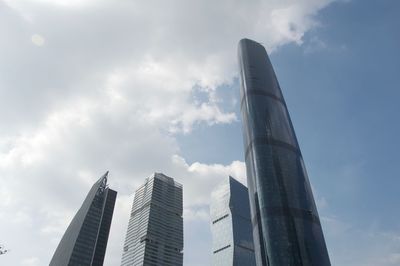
[{"x": 89, "y": 86}]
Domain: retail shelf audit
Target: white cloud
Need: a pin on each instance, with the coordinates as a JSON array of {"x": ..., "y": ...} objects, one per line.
[
  {"x": 201, "y": 214},
  {"x": 183, "y": 43},
  {"x": 32, "y": 261},
  {"x": 110, "y": 87},
  {"x": 199, "y": 179}
]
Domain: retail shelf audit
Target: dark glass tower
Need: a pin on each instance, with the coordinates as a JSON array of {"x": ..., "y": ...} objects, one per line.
[
  {"x": 231, "y": 225},
  {"x": 85, "y": 241},
  {"x": 286, "y": 226},
  {"x": 155, "y": 231}
]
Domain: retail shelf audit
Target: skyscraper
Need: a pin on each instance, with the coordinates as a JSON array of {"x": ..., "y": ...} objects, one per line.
[
  {"x": 286, "y": 226},
  {"x": 231, "y": 225},
  {"x": 85, "y": 241},
  {"x": 155, "y": 230}
]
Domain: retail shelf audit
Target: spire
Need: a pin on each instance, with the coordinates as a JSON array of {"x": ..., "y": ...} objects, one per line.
[
  {"x": 103, "y": 181},
  {"x": 106, "y": 176}
]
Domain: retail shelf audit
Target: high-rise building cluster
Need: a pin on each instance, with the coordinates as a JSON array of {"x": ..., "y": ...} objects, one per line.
[{"x": 272, "y": 222}]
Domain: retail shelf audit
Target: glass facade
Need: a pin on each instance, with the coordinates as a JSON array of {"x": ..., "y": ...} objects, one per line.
[
  {"x": 85, "y": 241},
  {"x": 231, "y": 225},
  {"x": 155, "y": 230},
  {"x": 286, "y": 226}
]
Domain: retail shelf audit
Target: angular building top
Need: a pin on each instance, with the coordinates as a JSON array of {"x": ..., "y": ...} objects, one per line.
[
  {"x": 85, "y": 240},
  {"x": 286, "y": 226},
  {"x": 155, "y": 230},
  {"x": 231, "y": 225}
]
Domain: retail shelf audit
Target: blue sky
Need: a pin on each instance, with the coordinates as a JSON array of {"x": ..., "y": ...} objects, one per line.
[
  {"x": 136, "y": 87},
  {"x": 342, "y": 88}
]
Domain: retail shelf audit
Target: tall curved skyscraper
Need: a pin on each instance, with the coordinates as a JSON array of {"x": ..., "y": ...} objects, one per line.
[{"x": 286, "y": 226}]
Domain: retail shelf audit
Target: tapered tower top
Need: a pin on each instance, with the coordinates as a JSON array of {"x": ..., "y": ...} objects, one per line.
[{"x": 257, "y": 73}]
